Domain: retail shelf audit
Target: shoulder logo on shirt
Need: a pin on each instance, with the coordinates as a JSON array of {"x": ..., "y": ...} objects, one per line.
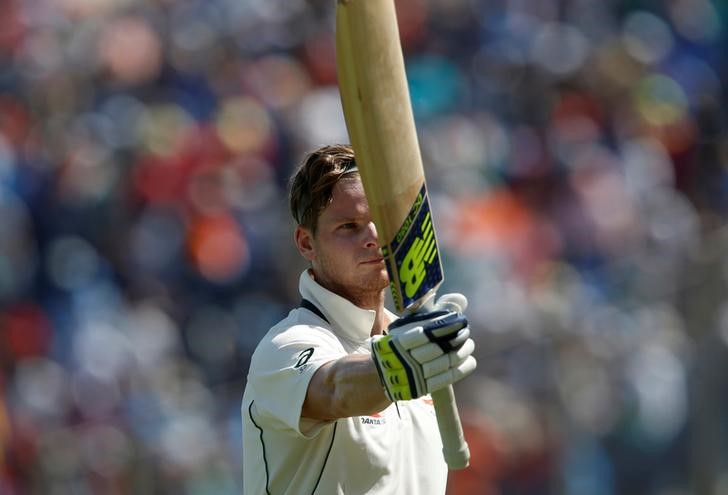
[{"x": 303, "y": 358}]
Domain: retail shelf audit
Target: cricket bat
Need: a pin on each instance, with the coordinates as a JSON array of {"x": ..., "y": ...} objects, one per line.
[{"x": 379, "y": 118}]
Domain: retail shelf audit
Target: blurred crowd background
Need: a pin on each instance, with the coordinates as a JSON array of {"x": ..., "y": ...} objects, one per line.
[{"x": 577, "y": 157}]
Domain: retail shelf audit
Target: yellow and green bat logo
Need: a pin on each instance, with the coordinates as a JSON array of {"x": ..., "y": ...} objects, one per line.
[{"x": 413, "y": 260}]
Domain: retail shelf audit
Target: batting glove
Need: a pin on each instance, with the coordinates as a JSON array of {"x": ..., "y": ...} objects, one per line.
[{"x": 425, "y": 352}]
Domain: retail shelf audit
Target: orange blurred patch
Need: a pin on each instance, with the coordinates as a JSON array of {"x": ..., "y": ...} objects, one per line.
[
  {"x": 486, "y": 462},
  {"x": 500, "y": 223},
  {"x": 677, "y": 137},
  {"x": 218, "y": 247},
  {"x": 492, "y": 221}
]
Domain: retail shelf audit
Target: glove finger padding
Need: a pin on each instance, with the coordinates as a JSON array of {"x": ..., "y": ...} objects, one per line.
[
  {"x": 430, "y": 350},
  {"x": 452, "y": 375},
  {"x": 440, "y": 327},
  {"x": 450, "y": 360},
  {"x": 422, "y": 353}
]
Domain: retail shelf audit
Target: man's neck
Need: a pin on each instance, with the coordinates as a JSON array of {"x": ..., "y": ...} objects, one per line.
[
  {"x": 381, "y": 322},
  {"x": 376, "y": 303},
  {"x": 366, "y": 300},
  {"x": 373, "y": 300}
]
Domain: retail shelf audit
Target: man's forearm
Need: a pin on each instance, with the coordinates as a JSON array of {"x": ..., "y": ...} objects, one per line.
[{"x": 349, "y": 386}]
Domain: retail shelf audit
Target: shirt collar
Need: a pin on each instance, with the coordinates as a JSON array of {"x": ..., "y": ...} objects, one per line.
[{"x": 348, "y": 320}]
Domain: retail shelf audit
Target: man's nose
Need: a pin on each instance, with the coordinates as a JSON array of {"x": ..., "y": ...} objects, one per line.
[{"x": 370, "y": 232}]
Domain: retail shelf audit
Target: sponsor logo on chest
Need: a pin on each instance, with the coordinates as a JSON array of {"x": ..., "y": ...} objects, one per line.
[{"x": 374, "y": 419}]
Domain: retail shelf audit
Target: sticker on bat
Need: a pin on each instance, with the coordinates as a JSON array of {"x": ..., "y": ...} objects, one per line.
[{"x": 415, "y": 256}]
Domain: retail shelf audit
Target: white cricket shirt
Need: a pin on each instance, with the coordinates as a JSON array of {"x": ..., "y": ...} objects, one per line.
[{"x": 395, "y": 452}]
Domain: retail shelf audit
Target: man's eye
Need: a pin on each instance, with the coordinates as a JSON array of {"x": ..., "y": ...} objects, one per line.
[{"x": 348, "y": 226}]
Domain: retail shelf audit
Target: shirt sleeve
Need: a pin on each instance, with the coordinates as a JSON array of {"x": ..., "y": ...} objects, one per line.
[{"x": 281, "y": 371}]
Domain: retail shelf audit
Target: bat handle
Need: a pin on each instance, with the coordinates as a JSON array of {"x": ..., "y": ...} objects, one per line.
[{"x": 454, "y": 447}]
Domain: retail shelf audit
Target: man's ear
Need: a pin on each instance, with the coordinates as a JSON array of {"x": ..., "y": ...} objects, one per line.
[{"x": 304, "y": 242}]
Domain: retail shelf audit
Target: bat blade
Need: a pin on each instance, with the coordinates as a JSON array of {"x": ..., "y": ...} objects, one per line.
[{"x": 379, "y": 118}]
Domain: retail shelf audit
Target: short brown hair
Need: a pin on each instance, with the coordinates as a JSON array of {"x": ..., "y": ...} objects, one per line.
[{"x": 313, "y": 183}]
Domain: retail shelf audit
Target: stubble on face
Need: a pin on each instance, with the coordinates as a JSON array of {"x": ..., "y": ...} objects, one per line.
[{"x": 365, "y": 291}]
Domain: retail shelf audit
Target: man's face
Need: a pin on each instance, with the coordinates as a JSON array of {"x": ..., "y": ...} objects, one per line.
[{"x": 344, "y": 252}]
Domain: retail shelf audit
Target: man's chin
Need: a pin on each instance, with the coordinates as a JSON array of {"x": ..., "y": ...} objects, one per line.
[
  {"x": 378, "y": 279},
  {"x": 384, "y": 281}
]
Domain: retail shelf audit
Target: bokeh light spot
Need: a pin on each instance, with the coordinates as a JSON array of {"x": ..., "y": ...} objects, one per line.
[
  {"x": 243, "y": 125},
  {"x": 218, "y": 248},
  {"x": 660, "y": 100},
  {"x": 163, "y": 128},
  {"x": 647, "y": 37},
  {"x": 72, "y": 262},
  {"x": 131, "y": 50}
]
